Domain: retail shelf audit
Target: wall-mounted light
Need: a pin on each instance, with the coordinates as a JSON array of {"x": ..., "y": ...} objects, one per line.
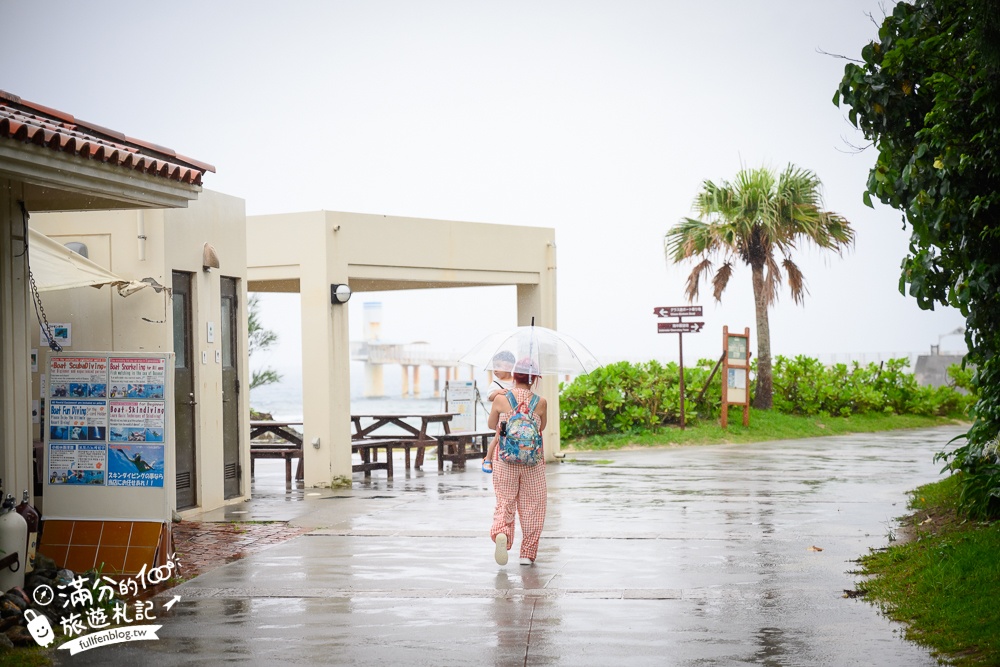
[
  {"x": 339, "y": 293},
  {"x": 209, "y": 258}
]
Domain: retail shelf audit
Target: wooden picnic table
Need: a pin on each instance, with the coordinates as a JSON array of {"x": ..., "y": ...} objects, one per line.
[
  {"x": 452, "y": 447},
  {"x": 283, "y": 430},
  {"x": 290, "y": 449},
  {"x": 417, "y": 436}
]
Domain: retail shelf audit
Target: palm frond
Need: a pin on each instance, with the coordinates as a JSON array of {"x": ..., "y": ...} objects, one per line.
[
  {"x": 721, "y": 279},
  {"x": 839, "y": 230},
  {"x": 796, "y": 281},
  {"x": 800, "y": 210},
  {"x": 693, "y": 280},
  {"x": 687, "y": 238},
  {"x": 714, "y": 201}
]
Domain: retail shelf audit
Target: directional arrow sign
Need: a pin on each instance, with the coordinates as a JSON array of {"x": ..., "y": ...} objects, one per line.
[
  {"x": 679, "y": 327},
  {"x": 677, "y": 311}
]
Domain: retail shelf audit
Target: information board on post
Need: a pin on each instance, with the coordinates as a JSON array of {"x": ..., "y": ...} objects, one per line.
[
  {"x": 460, "y": 398},
  {"x": 109, "y": 446},
  {"x": 735, "y": 373}
]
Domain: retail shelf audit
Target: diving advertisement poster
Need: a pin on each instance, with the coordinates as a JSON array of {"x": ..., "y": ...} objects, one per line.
[{"x": 107, "y": 419}]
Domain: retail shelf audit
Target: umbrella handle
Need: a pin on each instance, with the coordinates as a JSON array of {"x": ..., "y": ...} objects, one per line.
[{"x": 479, "y": 397}]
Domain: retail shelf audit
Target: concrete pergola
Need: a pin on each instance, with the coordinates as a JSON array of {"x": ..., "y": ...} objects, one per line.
[{"x": 309, "y": 252}]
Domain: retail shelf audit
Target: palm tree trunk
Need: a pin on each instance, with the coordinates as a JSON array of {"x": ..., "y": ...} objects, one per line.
[{"x": 763, "y": 395}]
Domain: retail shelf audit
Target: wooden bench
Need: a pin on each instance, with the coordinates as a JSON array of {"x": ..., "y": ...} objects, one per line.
[
  {"x": 290, "y": 449},
  {"x": 405, "y": 443},
  {"x": 452, "y": 447},
  {"x": 368, "y": 448},
  {"x": 278, "y": 451}
]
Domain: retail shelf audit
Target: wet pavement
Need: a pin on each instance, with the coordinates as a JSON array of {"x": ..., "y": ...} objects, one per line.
[{"x": 713, "y": 555}]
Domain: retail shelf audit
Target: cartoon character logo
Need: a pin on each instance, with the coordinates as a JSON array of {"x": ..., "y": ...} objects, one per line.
[{"x": 39, "y": 627}]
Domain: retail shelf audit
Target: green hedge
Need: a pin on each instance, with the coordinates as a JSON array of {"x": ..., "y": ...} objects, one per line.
[
  {"x": 804, "y": 386},
  {"x": 634, "y": 398}
]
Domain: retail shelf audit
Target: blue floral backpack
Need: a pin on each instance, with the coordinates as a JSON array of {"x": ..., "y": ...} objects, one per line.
[{"x": 521, "y": 441}]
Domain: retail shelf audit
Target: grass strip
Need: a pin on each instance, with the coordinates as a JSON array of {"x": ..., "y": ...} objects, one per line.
[
  {"x": 943, "y": 580},
  {"x": 764, "y": 425}
]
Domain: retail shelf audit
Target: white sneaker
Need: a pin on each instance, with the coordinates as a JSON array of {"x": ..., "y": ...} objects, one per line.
[
  {"x": 527, "y": 561},
  {"x": 500, "y": 553}
]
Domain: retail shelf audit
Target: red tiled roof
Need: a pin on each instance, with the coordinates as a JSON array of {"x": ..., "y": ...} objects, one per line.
[{"x": 33, "y": 123}]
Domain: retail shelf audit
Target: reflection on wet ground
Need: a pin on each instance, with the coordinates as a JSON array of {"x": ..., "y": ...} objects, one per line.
[{"x": 721, "y": 555}]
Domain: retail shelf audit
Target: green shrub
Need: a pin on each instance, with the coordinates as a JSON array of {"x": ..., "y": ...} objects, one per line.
[
  {"x": 632, "y": 398},
  {"x": 804, "y": 386},
  {"x": 961, "y": 377}
]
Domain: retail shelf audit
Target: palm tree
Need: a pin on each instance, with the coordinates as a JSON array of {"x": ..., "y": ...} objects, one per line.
[{"x": 753, "y": 220}]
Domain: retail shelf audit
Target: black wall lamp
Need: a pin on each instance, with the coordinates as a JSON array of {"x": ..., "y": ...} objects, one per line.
[{"x": 339, "y": 294}]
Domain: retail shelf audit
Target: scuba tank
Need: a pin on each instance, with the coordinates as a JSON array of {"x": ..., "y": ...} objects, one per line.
[
  {"x": 13, "y": 540},
  {"x": 32, "y": 519}
]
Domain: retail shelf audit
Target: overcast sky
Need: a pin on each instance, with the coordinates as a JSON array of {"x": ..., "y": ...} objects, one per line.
[{"x": 599, "y": 119}]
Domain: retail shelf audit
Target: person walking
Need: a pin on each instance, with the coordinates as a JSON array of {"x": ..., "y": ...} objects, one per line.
[{"x": 519, "y": 484}]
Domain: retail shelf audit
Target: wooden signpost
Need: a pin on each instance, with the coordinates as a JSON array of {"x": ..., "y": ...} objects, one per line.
[
  {"x": 680, "y": 328},
  {"x": 735, "y": 373}
]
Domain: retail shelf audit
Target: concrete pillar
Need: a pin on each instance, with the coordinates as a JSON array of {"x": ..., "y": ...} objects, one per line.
[
  {"x": 437, "y": 382},
  {"x": 416, "y": 381},
  {"x": 17, "y": 320},
  {"x": 374, "y": 382},
  {"x": 539, "y": 301},
  {"x": 405, "y": 380},
  {"x": 326, "y": 361}
]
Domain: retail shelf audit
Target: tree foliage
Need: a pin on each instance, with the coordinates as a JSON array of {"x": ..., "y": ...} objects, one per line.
[
  {"x": 757, "y": 220},
  {"x": 927, "y": 95},
  {"x": 260, "y": 339}
]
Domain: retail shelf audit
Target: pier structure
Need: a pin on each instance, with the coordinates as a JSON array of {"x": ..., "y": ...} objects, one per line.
[{"x": 410, "y": 357}]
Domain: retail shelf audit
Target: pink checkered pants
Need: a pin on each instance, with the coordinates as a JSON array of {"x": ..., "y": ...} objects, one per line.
[{"x": 522, "y": 489}]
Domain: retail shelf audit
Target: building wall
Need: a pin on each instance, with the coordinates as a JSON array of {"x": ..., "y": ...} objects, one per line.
[
  {"x": 105, "y": 321},
  {"x": 932, "y": 370}
]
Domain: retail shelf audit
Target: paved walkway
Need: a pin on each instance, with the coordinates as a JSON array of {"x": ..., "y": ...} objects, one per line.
[
  {"x": 203, "y": 545},
  {"x": 716, "y": 555}
]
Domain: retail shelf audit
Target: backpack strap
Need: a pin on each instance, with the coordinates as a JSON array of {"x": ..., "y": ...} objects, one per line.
[
  {"x": 533, "y": 403},
  {"x": 511, "y": 399}
]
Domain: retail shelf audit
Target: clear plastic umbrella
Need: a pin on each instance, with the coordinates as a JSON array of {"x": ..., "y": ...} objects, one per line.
[{"x": 531, "y": 350}]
